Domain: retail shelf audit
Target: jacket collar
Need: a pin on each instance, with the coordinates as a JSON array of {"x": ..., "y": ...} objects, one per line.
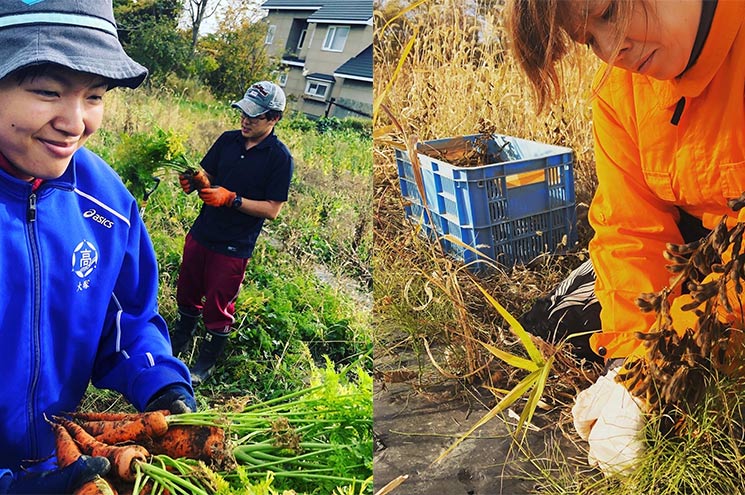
[
  {"x": 65, "y": 181},
  {"x": 725, "y": 26},
  {"x": 11, "y": 170}
]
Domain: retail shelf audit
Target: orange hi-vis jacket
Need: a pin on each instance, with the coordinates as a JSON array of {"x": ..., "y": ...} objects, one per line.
[{"x": 660, "y": 145}]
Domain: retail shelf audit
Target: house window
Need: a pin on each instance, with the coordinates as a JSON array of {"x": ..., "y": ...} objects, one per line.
[
  {"x": 282, "y": 79},
  {"x": 317, "y": 89},
  {"x": 301, "y": 39},
  {"x": 270, "y": 35},
  {"x": 336, "y": 38}
]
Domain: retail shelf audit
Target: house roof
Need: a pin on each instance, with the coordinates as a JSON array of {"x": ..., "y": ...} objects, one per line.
[
  {"x": 293, "y": 4},
  {"x": 358, "y": 67},
  {"x": 318, "y": 76},
  {"x": 328, "y": 11},
  {"x": 333, "y": 11}
]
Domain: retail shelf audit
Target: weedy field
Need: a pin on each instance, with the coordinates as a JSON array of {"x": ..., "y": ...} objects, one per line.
[
  {"x": 443, "y": 69},
  {"x": 294, "y": 393}
]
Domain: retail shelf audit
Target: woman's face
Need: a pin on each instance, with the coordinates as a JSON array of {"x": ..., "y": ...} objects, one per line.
[
  {"x": 658, "y": 41},
  {"x": 44, "y": 119}
]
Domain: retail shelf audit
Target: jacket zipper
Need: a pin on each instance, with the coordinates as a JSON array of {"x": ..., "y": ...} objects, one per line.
[
  {"x": 678, "y": 112},
  {"x": 35, "y": 324}
]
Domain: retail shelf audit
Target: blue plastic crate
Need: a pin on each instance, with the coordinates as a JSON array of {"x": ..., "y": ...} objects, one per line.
[{"x": 517, "y": 207}]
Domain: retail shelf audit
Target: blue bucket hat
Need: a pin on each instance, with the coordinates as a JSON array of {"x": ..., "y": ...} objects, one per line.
[
  {"x": 260, "y": 98},
  {"x": 77, "y": 34}
]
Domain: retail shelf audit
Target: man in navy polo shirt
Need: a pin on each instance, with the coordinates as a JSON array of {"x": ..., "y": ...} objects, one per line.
[{"x": 249, "y": 172}]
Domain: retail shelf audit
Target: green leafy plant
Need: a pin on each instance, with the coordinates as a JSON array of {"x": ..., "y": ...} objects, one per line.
[
  {"x": 165, "y": 475},
  {"x": 318, "y": 437},
  {"x": 533, "y": 384},
  {"x": 141, "y": 156}
]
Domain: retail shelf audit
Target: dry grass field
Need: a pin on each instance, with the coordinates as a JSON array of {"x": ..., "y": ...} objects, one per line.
[
  {"x": 457, "y": 77},
  {"x": 443, "y": 69}
]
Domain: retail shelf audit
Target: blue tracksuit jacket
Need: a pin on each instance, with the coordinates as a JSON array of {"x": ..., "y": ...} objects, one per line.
[{"x": 78, "y": 302}]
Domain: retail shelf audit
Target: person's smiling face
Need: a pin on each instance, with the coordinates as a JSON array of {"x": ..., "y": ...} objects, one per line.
[
  {"x": 46, "y": 117},
  {"x": 658, "y": 41}
]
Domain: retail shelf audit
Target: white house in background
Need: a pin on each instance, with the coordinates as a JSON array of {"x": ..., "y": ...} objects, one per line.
[{"x": 326, "y": 50}]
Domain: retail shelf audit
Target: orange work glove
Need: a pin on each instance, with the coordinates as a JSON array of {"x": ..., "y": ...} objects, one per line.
[
  {"x": 217, "y": 196},
  {"x": 193, "y": 181}
]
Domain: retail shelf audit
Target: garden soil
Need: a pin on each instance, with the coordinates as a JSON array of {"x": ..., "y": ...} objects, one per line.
[{"x": 415, "y": 423}]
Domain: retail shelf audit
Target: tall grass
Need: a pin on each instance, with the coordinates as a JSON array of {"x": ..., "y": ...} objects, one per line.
[
  {"x": 443, "y": 69},
  {"x": 460, "y": 71}
]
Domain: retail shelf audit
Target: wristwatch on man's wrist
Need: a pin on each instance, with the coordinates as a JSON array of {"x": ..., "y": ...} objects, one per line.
[{"x": 237, "y": 202}]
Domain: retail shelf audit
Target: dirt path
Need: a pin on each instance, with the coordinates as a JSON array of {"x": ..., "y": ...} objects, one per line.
[
  {"x": 415, "y": 423},
  {"x": 412, "y": 431},
  {"x": 363, "y": 298}
]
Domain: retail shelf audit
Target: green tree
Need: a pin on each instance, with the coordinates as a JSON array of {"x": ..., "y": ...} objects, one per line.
[
  {"x": 235, "y": 56},
  {"x": 148, "y": 30}
]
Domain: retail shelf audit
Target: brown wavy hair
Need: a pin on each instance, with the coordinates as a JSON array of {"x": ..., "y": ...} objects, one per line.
[{"x": 542, "y": 33}]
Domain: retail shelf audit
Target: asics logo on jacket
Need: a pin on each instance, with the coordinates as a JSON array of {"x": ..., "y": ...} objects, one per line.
[{"x": 96, "y": 217}]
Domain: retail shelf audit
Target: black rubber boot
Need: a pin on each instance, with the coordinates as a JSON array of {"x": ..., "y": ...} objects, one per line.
[
  {"x": 184, "y": 332},
  {"x": 209, "y": 352}
]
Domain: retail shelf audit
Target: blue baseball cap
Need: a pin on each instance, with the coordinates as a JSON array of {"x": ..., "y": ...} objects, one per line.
[
  {"x": 260, "y": 98},
  {"x": 78, "y": 34}
]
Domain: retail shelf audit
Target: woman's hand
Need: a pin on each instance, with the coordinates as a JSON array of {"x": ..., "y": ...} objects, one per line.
[{"x": 611, "y": 420}]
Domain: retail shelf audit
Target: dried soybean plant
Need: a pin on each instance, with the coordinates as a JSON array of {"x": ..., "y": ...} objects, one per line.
[
  {"x": 699, "y": 334},
  {"x": 475, "y": 152},
  {"x": 478, "y": 153}
]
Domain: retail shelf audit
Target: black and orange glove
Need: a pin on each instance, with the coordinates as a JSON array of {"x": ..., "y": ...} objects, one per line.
[
  {"x": 193, "y": 181},
  {"x": 176, "y": 398},
  {"x": 185, "y": 181},
  {"x": 217, "y": 196}
]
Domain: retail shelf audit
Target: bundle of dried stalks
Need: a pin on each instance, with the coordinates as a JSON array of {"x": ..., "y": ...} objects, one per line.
[{"x": 699, "y": 334}]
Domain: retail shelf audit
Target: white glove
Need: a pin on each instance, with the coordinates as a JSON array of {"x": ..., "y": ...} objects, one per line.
[{"x": 611, "y": 420}]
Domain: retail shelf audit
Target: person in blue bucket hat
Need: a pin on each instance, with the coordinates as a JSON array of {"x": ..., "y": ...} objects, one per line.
[{"x": 79, "y": 286}]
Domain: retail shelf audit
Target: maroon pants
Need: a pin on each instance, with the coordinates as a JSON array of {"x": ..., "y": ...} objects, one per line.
[{"x": 208, "y": 283}]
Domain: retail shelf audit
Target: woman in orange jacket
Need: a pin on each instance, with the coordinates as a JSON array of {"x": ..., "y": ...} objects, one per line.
[{"x": 669, "y": 128}]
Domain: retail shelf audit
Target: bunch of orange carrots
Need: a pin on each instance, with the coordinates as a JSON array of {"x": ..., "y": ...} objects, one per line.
[{"x": 129, "y": 441}]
